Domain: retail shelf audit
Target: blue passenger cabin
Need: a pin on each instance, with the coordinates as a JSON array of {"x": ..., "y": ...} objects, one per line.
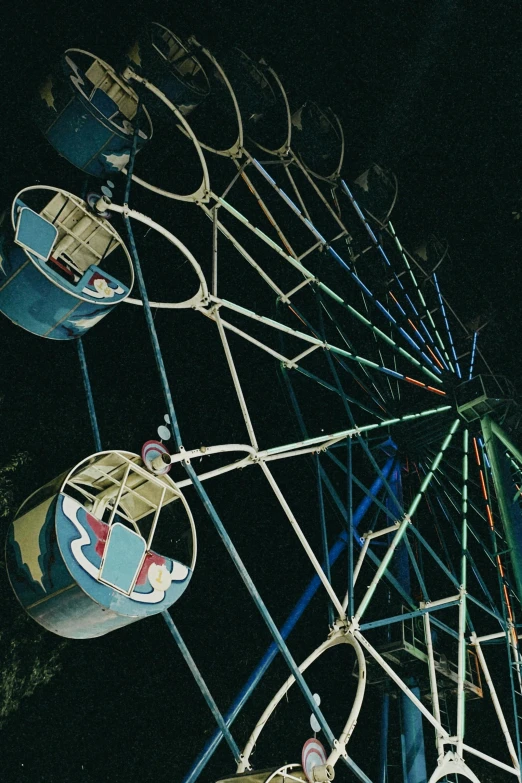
[
  {"x": 53, "y": 265},
  {"x": 376, "y": 192},
  {"x": 80, "y": 554},
  {"x": 167, "y": 62},
  {"x": 318, "y": 139},
  {"x": 88, "y": 113},
  {"x": 261, "y": 99}
]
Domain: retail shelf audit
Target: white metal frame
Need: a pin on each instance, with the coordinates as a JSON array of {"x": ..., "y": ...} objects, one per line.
[{"x": 207, "y": 302}]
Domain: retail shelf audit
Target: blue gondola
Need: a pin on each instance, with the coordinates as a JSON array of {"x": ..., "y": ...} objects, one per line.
[
  {"x": 376, "y": 192},
  {"x": 432, "y": 252},
  {"x": 52, "y": 281},
  {"x": 317, "y": 137},
  {"x": 87, "y": 112},
  {"x": 79, "y": 551},
  {"x": 163, "y": 59},
  {"x": 262, "y": 100}
]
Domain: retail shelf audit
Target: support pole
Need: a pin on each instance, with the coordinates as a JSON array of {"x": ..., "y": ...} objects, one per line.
[
  {"x": 414, "y": 757},
  {"x": 88, "y": 392},
  {"x": 202, "y": 686},
  {"x": 383, "y": 749}
]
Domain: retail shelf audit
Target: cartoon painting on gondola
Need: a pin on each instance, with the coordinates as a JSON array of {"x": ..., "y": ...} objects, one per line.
[{"x": 81, "y": 573}]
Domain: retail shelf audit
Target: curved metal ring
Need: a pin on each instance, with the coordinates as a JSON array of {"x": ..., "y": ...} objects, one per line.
[
  {"x": 201, "y": 193},
  {"x": 336, "y": 173},
  {"x": 234, "y": 151},
  {"x": 333, "y": 641},
  {"x": 202, "y": 295}
]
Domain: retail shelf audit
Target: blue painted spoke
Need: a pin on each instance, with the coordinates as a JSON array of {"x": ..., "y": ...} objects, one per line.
[
  {"x": 446, "y": 322},
  {"x": 386, "y": 313},
  {"x": 202, "y": 686},
  {"x": 345, "y": 266},
  {"x": 472, "y": 360},
  {"x": 420, "y": 295},
  {"x": 329, "y": 386}
]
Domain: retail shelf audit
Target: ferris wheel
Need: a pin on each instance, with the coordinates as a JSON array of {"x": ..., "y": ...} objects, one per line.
[{"x": 384, "y": 447}]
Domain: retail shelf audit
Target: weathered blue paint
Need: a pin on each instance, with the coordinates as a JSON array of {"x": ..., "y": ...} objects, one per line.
[
  {"x": 54, "y": 552},
  {"x": 82, "y": 122},
  {"x": 36, "y": 297}
]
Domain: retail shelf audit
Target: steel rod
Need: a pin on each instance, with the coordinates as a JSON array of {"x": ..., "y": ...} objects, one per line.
[
  {"x": 202, "y": 686},
  {"x": 89, "y": 395},
  {"x": 496, "y": 702},
  {"x": 404, "y": 524}
]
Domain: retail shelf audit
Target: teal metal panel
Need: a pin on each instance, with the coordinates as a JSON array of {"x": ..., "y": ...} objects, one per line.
[
  {"x": 35, "y": 233},
  {"x": 123, "y": 556}
]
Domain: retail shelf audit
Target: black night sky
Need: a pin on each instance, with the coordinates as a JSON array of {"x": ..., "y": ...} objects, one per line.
[{"x": 428, "y": 88}]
